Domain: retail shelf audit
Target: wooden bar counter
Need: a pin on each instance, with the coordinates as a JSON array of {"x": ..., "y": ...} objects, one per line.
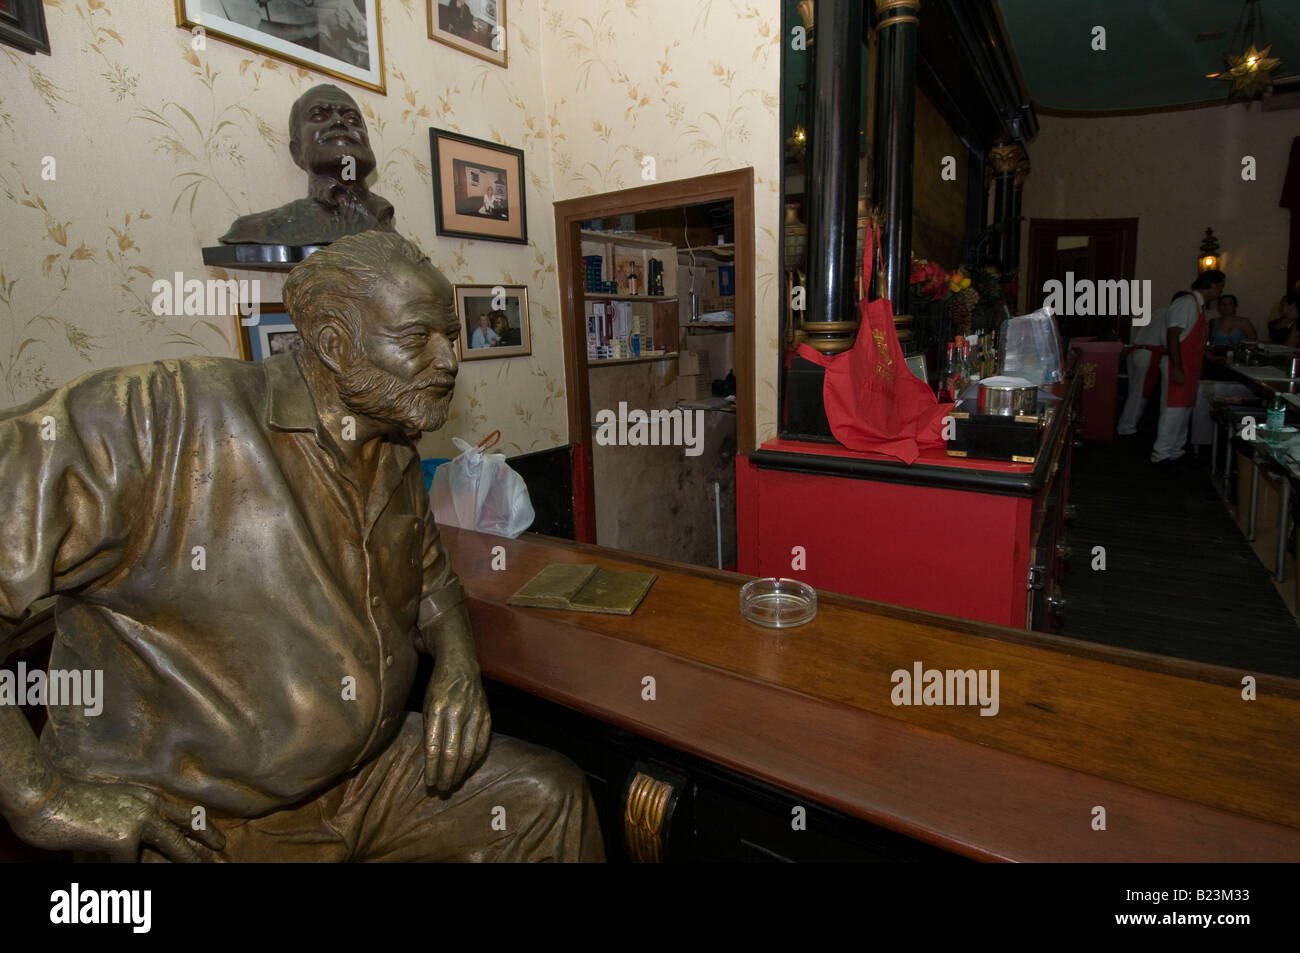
[{"x": 1184, "y": 768}]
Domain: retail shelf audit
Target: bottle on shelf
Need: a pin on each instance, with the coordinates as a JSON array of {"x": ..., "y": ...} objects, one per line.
[
  {"x": 958, "y": 369},
  {"x": 963, "y": 367},
  {"x": 1276, "y": 418},
  {"x": 974, "y": 367},
  {"x": 945, "y": 378},
  {"x": 632, "y": 283}
]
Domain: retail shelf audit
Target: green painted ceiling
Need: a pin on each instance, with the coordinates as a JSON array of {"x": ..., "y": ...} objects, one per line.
[{"x": 1152, "y": 57}]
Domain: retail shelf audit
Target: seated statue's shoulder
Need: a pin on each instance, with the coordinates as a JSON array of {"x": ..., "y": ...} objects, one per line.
[{"x": 164, "y": 385}]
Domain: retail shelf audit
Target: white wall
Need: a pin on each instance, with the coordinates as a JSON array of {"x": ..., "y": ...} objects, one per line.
[{"x": 1177, "y": 172}]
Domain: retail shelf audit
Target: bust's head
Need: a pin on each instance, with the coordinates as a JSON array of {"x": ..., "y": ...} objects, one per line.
[
  {"x": 325, "y": 127},
  {"x": 382, "y": 320}
]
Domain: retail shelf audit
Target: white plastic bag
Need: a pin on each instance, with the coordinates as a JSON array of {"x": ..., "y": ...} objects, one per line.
[
  {"x": 1032, "y": 348},
  {"x": 479, "y": 491}
]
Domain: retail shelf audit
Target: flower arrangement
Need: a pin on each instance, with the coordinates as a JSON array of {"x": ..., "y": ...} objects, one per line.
[{"x": 964, "y": 294}]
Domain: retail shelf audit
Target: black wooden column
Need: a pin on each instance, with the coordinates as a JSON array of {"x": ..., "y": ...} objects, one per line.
[
  {"x": 896, "y": 25},
  {"x": 1009, "y": 165},
  {"x": 833, "y": 161}
]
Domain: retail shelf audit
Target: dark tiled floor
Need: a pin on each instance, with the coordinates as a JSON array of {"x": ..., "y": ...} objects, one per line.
[{"x": 1180, "y": 577}]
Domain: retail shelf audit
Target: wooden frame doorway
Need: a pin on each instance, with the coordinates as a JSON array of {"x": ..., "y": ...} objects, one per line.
[
  {"x": 1093, "y": 248},
  {"x": 738, "y": 186}
]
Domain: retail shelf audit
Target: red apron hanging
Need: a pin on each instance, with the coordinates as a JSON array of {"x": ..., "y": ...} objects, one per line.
[
  {"x": 873, "y": 400},
  {"x": 1192, "y": 349}
]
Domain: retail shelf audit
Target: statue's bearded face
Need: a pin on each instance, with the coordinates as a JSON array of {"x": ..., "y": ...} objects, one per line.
[
  {"x": 329, "y": 129},
  {"x": 403, "y": 370}
]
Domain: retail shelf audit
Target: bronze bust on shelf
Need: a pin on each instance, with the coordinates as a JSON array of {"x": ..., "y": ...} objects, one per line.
[
  {"x": 328, "y": 139},
  {"x": 245, "y": 552}
]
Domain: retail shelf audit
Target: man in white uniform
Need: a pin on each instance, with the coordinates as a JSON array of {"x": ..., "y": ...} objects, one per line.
[
  {"x": 1148, "y": 347},
  {"x": 1180, "y": 370}
]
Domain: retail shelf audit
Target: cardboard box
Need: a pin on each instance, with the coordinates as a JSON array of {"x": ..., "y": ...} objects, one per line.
[{"x": 693, "y": 387}]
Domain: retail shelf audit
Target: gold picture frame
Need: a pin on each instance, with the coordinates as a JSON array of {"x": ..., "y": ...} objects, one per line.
[
  {"x": 365, "y": 68},
  {"x": 484, "y": 37},
  {"x": 274, "y": 333},
  {"x": 512, "y": 338}
]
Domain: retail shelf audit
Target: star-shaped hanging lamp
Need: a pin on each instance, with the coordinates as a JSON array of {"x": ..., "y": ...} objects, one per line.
[{"x": 1251, "y": 72}]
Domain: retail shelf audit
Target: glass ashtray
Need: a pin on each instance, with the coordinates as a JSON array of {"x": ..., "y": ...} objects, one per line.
[{"x": 778, "y": 603}]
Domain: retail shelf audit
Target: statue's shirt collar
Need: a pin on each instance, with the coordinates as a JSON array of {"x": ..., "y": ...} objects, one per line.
[{"x": 288, "y": 401}]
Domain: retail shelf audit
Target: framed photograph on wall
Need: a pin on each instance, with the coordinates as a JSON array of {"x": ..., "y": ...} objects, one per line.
[
  {"x": 477, "y": 27},
  {"x": 478, "y": 188},
  {"x": 340, "y": 38},
  {"x": 22, "y": 24},
  {"x": 274, "y": 333},
  {"x": 493, "y": 324}
]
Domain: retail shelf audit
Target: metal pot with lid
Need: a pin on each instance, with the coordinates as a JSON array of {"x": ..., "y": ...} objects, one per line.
[{"x": 1008, "y": 397}]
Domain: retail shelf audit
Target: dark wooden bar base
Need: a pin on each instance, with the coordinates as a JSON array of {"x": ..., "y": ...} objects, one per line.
[{"x": 718, "y": 815}]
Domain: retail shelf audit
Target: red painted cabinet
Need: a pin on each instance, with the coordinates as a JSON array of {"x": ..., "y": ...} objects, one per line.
[{"x": 969, "y": 538}]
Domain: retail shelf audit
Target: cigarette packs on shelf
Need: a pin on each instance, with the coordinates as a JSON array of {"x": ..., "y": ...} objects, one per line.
[
  {"x": 655, "y": 281},
  {"x": 726, "y": 280},
  {"x": 595, "y": 267}
]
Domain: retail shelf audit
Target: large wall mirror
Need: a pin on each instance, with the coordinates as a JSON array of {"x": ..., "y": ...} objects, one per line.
[{"x": 1199, "y": 565}]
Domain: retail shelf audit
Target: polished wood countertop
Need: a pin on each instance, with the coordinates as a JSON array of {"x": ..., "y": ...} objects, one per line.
[{"x": 1184, "y": 767}]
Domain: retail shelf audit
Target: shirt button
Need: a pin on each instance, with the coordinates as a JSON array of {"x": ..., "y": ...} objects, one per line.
[
  {"x": 419, "y": 524},
  {"x": 389, "y": 661},
  {"x": 374, "y": 600}
]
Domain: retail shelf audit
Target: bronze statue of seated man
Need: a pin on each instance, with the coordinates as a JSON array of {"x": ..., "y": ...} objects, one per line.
[
  {"x": 327, "y": 139},
  {"x": 245, "y": 550}
]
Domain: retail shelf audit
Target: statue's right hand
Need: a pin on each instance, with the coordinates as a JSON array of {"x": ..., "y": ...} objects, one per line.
[{"x": 114, "y": 819}]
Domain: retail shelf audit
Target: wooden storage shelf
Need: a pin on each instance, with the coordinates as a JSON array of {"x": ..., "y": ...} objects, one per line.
[
  {"x": 641, "y": 250},
  {"x": 727, "y": 250},
  {"x": 597, "y": 296},
  {"x": 643, "y": 359},
  {"x": 628, "y": 240}
]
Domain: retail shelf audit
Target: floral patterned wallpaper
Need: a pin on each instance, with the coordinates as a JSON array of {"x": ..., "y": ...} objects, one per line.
[
  {"x": 1177, "y": 172},
  {"x": 696, "y": 85},
  {"x": 128, "y": 150}
]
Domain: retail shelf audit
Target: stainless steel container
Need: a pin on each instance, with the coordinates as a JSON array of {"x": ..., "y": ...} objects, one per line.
[{"x": 1008, "y": 397}]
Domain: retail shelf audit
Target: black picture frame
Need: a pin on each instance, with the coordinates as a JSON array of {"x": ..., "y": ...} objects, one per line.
[
  {"x": 499, "y": 192},
  {"x": 23, "y": 26}
]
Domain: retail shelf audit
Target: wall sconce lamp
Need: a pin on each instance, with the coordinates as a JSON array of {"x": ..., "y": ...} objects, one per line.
[{"x": 1209, "y": 252}]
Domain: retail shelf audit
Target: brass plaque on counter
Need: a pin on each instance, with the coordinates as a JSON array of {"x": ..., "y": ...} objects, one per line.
[
  {"x": 554, "y": 587},
  {"x": 584, "y": 588}
]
